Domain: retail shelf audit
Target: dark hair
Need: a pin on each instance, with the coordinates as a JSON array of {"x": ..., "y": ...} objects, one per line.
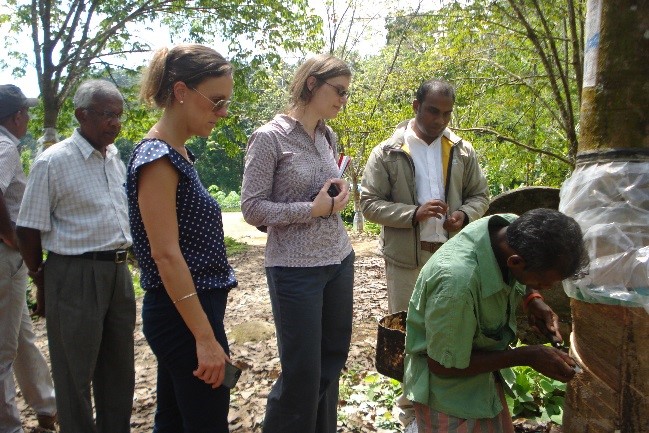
[
  {"x": 322, "y": 67},
  {"x": 548, "y": 239},
  {"x": 189, "y": 63},
  {"x": 440, "y": 87}
]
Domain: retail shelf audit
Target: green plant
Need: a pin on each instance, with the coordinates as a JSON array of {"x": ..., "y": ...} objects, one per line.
[
  {"x": 535, "y": 395},
  {"x": 228, "y": 202},
  {"x": 135, "y": 275},
  {"x": 371, "y": 394},
  {"x": 232, "y": 246},
  {"x": 347, "y": 214},
  {"x": 372, "y": 228},
  {"x": 31, "y": 299},
  {"x": 26, "y": 160}
]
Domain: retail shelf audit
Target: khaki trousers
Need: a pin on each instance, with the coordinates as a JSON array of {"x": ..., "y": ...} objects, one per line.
[
  {"x": 401, "y": 282},
  {"x": 19, "y": 355}
]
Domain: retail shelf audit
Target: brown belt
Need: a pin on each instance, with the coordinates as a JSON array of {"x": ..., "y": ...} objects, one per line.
[{"x": 431, "y": 247}]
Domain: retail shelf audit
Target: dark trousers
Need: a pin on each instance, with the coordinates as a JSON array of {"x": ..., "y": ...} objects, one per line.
[
  {"x": 312, "y": 308},
  {"x": 90, "y": 308},
  {"x": 185, "y": 403}
]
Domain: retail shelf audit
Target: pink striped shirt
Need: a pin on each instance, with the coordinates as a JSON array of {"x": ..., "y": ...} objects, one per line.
[{"x": 284, "y": 168}]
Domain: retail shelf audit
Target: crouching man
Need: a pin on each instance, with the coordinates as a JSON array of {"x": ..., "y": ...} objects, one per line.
[{"x": 462, "y": 317}]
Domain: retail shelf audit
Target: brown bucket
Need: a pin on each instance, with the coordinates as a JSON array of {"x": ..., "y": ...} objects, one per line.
[{"x": 390, "y": 345}]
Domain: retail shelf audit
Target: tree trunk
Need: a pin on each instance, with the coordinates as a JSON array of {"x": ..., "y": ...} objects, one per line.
[
  {"x": 51, "y": 108},
  {"x": 610, "y": 338},
  {"x": 359, "y": 221}
]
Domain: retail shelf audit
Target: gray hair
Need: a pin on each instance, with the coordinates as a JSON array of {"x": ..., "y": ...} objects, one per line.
[{"x": 91, "y": 89}]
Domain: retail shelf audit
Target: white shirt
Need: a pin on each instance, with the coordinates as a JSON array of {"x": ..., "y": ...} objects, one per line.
[
  {"x": 428, "y": 181},
  {"x": 76, "y": 198},
  {"x": 12, "y": 177}
]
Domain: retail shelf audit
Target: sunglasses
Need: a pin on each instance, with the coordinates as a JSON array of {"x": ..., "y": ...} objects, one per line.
[
  {"x": 341, "y": 92},
  {"x": 216, "y": 106}
]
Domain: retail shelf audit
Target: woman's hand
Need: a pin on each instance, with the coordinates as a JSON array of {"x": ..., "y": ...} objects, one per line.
[
  {"x": 211, "y": 361},
  {"x": 324, "y": 205}
]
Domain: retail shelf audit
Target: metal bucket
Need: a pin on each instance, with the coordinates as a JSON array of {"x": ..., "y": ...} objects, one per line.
[{"x": 390, "y": 345}]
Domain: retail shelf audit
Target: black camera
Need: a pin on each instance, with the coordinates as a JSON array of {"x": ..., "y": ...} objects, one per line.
[
  {"x": 232, "y": 374},
  {"x": 333, "y": 190}
]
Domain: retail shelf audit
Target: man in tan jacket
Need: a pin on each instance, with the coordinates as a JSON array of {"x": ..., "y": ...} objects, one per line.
[{"x": 422, "y": 185}]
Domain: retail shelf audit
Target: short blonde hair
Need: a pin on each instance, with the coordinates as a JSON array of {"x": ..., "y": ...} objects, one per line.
[
  {"x": 189, "y": 63},
  {"x": 321, "y": 67}
]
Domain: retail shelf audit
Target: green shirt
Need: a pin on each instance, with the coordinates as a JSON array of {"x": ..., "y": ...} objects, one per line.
[{"x": 460, "y": 304}]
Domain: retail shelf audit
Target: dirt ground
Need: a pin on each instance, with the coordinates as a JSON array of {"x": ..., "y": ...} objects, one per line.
[
  {"x": 249, "y": 324},
  {"x": 250, "y": 329}
]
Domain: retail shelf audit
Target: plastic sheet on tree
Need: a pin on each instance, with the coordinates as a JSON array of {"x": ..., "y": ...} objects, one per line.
[{"x": 610, "y": 201}]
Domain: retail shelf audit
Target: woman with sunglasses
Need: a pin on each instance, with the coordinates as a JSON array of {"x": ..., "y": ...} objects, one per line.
[
  {"x": 178, "y": 240},
  {"x": 290, "y": 166}
]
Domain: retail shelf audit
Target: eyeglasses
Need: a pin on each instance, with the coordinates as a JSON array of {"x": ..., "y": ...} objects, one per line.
[
  {"x": 341, "y": 92},
  {"x": 108, "y": 115},
  {"x": 218, "y": 105}
]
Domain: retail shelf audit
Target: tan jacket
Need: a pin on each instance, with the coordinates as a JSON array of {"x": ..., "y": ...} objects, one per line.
[{"x": 389, "y": 196}]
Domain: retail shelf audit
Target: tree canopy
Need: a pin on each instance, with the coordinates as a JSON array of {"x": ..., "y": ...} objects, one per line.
[
  {"x": 74, "y": 38},
  {"x": 516, "y": 65}
]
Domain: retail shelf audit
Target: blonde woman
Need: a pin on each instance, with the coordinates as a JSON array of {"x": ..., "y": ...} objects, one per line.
[
  {"x": 178, "y": 240},
  {"x": 290, "y": 166}
]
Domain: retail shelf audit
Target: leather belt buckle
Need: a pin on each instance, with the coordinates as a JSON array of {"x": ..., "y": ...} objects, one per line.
[
  {"x": 120, "y": 256},
  {"x": 431, "y": 247}
]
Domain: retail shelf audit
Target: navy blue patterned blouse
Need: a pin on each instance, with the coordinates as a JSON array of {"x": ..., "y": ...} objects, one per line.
[{"x": 200, "y": 224}]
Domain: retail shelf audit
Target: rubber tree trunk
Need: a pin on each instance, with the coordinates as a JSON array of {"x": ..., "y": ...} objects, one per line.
[{"x": 612, "y": 341}]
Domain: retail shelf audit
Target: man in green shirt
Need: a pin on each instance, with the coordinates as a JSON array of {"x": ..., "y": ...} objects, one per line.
[{"x": 462, "y": 317}]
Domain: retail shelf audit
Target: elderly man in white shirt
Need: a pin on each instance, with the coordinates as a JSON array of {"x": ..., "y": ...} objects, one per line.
[
  {"x": 18, "y": 352},
  {"x": 75, "y": 207}
]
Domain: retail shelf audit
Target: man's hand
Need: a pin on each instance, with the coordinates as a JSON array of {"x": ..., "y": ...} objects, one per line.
[
  {"x": 10, "y": 241},
  {"x": 433, "y": 208},
  {"x": 551, "y": 362},
  {"x": 39, "y": 310},
  {"x": 39, "y": 281},
  {"x": 454, "y": 222},
  {"x": 543, "y": 320}
]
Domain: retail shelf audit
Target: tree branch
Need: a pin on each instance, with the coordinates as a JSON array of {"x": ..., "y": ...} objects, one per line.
[{"x": 501, "y": 137}]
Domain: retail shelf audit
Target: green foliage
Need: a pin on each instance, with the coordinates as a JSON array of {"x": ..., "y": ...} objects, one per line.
[
  {"x": 30, "y": 295},
  {"x": 231, "y": 201},
  {"x": 347, "y": 214},
  {"x": 372, "y": 228},
  {"x": 516, "y": 69},
  {"x": 216, "y": 163},
  {"x": 233, "y": 247},
  {"x": 75, "y": 40},
  {"x": 26, "y": 159},
  {"x": 361, "y": 391},
  {"x": 517, "y": 80},
  {"x": 536, "y": 396},
  {"x": 135, "y": 275}
]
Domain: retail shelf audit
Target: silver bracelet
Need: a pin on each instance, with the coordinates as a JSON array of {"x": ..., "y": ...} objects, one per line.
[{"x": 182, "y": 298}]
